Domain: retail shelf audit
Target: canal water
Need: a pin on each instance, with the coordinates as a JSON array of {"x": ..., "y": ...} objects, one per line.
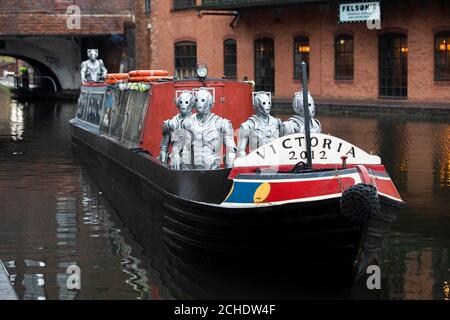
[{"x": 54, "y": 213}]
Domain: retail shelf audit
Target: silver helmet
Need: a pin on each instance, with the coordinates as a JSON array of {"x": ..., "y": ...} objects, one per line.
[
  {"x": 184, "y": 101},
  {"x": 92, "y": 54},
  {"x": 297, "y": 104},
  {"x": 204, "y": 100},
  {"x": 262, "y": 103}
]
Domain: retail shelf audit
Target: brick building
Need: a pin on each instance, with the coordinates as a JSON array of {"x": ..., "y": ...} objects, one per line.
[{"x": 407, "y": 58}]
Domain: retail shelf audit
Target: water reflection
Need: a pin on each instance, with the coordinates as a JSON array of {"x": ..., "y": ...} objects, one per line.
[
  {"x": 16, "y": 121},
  {"x": 53, "y": 216},
  {"x": 57, "y": 213},
  {"x": 96, "y": 216}
]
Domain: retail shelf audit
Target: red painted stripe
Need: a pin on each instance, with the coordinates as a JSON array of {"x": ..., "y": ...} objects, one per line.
[
  {"x": 238, "y": 170},
  {"x": 387, "y": 187},
  {"x": 283, "y": 191}
]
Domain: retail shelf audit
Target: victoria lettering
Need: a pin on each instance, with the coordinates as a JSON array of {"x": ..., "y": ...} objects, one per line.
[{"x": 295, "y": 145}]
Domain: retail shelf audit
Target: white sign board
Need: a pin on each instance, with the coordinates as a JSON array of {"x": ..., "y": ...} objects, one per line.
[
  {"x": 290, "y": 150},
  {"x": 359, "y": 11}
]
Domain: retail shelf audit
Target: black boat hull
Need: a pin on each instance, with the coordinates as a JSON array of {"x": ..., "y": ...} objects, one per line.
[{"x": 302, "y": 235}]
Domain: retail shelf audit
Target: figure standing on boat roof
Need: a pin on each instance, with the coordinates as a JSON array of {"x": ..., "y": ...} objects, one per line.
[
  {"x": 93, "y": 70},
  {"x": 206, "y": 134},
  {"x": 296, "y": 124},
  {"x": 172, "y": 131},
  {"x": 261, "y": 128}
]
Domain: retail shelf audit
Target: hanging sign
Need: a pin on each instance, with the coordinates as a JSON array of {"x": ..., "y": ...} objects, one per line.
[{"x": 359, "y": 11}]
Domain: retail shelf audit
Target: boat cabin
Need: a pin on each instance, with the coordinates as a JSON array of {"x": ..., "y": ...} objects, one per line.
[{"x": 132, "y": 113}]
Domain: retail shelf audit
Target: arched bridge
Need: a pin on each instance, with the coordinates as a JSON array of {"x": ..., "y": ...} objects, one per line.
[{"x": 38, "y": 32}]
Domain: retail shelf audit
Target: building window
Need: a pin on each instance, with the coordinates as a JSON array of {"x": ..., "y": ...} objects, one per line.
[
  {"x": 301, "y": 53},
  {"x": 442, "y": 56},
  {"x": 229, "y": 59},
  {"x": 393, "y": 65},
  {"x": 344, "y": 57},
  {"x": 183, "y": 4},
  {"x": 264, "y": 65},
  {"x": 147, "y": 6},
  {"x": 185, "y": 59}
]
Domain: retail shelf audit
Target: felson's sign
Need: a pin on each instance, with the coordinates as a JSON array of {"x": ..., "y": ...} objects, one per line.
[
  {"x": 291, "y": 149},
  {"x": 359, "y": 11}
]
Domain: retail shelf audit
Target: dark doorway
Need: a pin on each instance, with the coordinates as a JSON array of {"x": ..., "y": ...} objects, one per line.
[
  {"x": 393, "y": 65},
  {"x": 264, "y": 65}
]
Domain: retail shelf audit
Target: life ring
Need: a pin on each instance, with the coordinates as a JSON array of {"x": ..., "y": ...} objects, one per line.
[
  {"x": 145, "y": 79},
  {"x": 117, "y": 76},
  {"x": 148, "y": 73}
]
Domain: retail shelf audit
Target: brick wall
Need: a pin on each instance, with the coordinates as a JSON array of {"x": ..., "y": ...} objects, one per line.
[
  {"x": 48, "y": 17},
  {"x": 418, "y": 19},
  {"x": 143, "y": 35}
]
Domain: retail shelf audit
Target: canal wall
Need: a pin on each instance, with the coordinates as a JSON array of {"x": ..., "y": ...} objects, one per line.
[{"x": 324, "y": 107}]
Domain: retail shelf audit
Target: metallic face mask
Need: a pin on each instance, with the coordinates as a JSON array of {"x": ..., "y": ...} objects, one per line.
[
  {"x": 262, "y": 103},
  {"x": 185, "y": 102},
  {"x": 92, "y": 54},
  {"x": 297, "y": 104},
  {"x": 204, "y": 101}
]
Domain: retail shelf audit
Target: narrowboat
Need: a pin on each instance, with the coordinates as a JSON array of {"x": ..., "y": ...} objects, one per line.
[{"x": 268, "y": 207}]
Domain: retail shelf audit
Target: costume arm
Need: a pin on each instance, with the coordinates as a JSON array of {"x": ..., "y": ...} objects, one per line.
[
  {"x": 177, "y": 148},
  {"x": 103, "y": 71},
  {"x": 83, "y": 72},
  {"x": 280, "y": 127},
  {"x": 288, "y": 128},
  {"x": 230, "y": 145},
  {"x": 319, "y": 130},
  {"x": 186, "y": 157},
  {"x": 165, "y": 142},
  {"x": 244, "y": 133}
]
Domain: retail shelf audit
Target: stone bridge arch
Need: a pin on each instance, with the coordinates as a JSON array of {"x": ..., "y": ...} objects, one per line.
[{"x": 57, "y": 57}]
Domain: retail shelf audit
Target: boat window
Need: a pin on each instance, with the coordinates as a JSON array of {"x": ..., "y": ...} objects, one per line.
[
  {"x": 112, "y": 97},
  {"x": 134, "y": 116},
  {"x": 82, "y": 101},
  {"x": 94, "y": 109},
  {"x": 118, "y": 114}
]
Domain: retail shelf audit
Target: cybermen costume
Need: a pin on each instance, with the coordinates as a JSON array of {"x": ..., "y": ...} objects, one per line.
[
  {"x": 93, "y": 70},
  {"x": 296, "y": 124},
  {"x": 172, "y": 131},
  {"x": 205, "y": 134},
  {"x": 261, "y": 128}
]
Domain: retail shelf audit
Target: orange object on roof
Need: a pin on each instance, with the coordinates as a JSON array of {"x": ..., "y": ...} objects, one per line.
[
  {"x": 117, "y": 76},
  {"x": 148, "y": 73},
  {"x": 146, "y": 79}
]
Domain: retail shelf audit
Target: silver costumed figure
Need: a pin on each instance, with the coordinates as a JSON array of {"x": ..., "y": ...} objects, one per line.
[
  {"x": 261, "y": 128},
  {"x": 206, "y": 134},
  {"x": 172, "y": 131},
  {"x": 93, "y": 70},
  {"x": 296, "y": 124}
]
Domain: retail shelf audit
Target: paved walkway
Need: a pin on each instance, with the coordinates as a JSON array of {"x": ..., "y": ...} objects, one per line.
[{"x": 7, "y": 291}]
